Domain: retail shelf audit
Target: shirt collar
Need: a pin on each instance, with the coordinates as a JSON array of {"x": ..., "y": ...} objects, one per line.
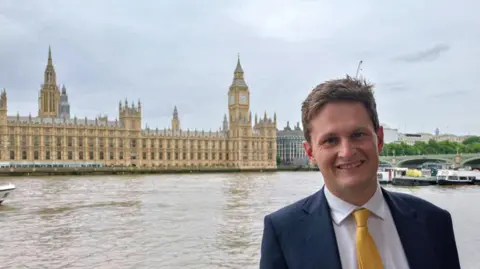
[{"x": 340, "y": 209}]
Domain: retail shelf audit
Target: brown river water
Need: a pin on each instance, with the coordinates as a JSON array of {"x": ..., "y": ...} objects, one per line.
[{"x": 173, "y": 221}]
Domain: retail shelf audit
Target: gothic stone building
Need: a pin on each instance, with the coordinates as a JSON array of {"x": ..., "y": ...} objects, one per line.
[{"x": 54, "y": 139}]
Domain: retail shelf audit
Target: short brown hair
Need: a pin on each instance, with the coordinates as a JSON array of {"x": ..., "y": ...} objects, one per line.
[{"x": 345, "y": 89}]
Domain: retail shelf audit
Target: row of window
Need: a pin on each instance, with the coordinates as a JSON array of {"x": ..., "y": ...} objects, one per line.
[
  {"x": 133, "y": 155},
  {"x": 112, "y": 142}
]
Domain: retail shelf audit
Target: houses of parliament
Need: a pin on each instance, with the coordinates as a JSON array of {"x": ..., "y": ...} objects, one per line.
[{"x": 55, "y": 139}]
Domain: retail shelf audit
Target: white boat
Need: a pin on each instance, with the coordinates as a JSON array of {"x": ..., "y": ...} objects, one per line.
[
  {"x": 457, "y": 177},
  {"x": 5, "y": 191}
]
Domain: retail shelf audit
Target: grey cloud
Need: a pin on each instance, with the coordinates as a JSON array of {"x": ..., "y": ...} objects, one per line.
[
  {"x": 427, "y": 55},
  {"x": 183, "y": 53},
  {"x": 394, "y": 87},
  {"x": 451, "y": 94}
]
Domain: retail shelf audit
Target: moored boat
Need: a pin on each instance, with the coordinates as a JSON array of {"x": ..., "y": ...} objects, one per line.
[
  {"x": 386, "y": 174},
  {"x": 457, "y": 177},
  {"x": 414, "y": 177},
  {"x": 5, "y": 191}
]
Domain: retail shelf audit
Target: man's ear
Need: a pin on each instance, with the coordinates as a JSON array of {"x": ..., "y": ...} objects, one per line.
[
  {"x": 309, "y": 151},
  {"x": 380, "y": 139}
]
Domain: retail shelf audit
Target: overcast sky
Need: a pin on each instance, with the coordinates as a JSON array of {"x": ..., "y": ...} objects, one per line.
[{"x": 423, "y": 56}]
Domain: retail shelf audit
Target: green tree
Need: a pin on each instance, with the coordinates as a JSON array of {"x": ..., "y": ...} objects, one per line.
[
  {"x": 470, "y": 145},
  {"x": 472, "y": 140}
]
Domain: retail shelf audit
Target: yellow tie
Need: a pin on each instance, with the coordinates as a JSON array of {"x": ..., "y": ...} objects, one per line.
[{"x": 367, "y": 253}]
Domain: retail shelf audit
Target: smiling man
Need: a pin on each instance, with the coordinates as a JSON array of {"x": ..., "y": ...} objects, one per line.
[{"x": 351, "y": 222}]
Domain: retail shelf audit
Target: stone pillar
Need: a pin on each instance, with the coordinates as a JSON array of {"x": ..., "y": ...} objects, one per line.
[{"x": 458, "y": 160}]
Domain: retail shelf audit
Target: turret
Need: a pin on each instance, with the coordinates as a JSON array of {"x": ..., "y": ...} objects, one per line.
[
  {"x": 297, "y": 128},
  {"x": 130, "y": 117},
  {"x": 287, "y": 128},
  {"x": 3, "y": 100},
  {"x": 266, "y": 125},
  {"x": 225, "y": 123},
  {"x": 175, "y": 120},
  {"x": 64, "y": 105},
  {"x": 3, "y": 123}
]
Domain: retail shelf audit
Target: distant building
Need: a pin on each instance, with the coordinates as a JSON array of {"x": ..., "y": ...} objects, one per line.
[
  {"x": 390, "y": 135},
  {"x": 411, "y": 138},
  {"x": 290, "y": 146}
]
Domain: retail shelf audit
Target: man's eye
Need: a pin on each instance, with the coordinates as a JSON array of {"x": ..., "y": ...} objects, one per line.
[
  {"x": 358, "y": 134},
  {"x": 330, "y": 140}
]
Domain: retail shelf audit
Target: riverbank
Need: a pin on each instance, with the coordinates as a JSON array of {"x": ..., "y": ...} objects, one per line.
[{"x": 11, "y": 172}]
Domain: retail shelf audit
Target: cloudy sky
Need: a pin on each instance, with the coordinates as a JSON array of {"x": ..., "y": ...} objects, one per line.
[{"x": 423, "y": 56}]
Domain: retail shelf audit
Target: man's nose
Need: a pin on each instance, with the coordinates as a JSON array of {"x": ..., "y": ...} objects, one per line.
[{"x": 347, "y": 149}]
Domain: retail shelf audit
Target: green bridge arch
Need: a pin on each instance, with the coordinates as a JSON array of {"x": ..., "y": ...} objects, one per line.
[
  {"x": 471, "y": 161},
  {"x": 423, "y": 159}
]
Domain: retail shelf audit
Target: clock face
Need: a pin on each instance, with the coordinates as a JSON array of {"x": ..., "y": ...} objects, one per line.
[
  {"x": 232, "y": 99},
  {"x": 243, "y": 98}
]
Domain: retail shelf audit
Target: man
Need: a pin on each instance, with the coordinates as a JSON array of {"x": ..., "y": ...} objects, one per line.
[{"x": 352, "y": 222}]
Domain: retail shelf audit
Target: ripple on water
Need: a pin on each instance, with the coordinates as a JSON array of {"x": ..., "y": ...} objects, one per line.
[{"x": 172, "y": 221}]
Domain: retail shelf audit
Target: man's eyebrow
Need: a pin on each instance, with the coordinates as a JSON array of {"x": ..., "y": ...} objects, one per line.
[{"x": 332, "y": 133}]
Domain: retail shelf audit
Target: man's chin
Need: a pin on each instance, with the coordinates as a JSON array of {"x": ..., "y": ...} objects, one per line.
[{"x": 354, "y": 181}]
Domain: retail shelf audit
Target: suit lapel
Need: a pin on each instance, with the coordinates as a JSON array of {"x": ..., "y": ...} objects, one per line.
[
  {"x": 412, "y": 231},
  {"x": 320, "y": 241}
]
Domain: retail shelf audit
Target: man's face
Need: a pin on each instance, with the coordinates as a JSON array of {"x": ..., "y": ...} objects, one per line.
[{"x": 345, "y": 146}]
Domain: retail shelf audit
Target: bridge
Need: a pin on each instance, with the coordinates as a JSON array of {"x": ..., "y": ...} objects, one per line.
[{"x": 460, "y": 160}]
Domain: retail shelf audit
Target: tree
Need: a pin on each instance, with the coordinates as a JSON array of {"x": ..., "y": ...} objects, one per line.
[
  {"x": 279, "y": 160},
  {"x": 470, "y": 145},
  {"x": 472, "y": 140}
]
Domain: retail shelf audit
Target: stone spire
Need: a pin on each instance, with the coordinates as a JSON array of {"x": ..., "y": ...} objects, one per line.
[
  {"x": 175, "y": 120},
  {"x": 175, "y": 113},
  {"x": 49, "y": 99},
  {"x": 3, "y": 100},
  {"x": 238, "y": 79},
  {"x": 50, "y": 55},
  {"x": 50, "y": 77},
  {"x": 64, "y": 105},
  {"x": 239, "y": 68},
  {"x": 225, "y": 123}
]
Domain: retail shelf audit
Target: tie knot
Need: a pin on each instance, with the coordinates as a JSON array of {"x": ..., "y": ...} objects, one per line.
[{"x": 361, "y": 217}]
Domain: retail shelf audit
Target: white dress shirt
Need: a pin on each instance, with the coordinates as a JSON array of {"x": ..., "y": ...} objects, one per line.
[{"x": 381, "y": 227}]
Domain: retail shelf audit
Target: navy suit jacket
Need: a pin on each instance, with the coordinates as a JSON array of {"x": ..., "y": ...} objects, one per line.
[{"x": 301, "y": 235}]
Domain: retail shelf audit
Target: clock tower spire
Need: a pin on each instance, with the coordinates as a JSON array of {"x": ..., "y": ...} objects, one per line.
[{"x": 239, "y": 99}]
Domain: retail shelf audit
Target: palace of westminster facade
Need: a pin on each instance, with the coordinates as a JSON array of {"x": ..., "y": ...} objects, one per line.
[{"x": 53, "y": 137}]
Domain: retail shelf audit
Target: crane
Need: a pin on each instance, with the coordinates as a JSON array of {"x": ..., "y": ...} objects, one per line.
[{"x": 359, "y": 68}]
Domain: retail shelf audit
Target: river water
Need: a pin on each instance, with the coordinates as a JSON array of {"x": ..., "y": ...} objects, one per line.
[{"x": 173, "y": 221}]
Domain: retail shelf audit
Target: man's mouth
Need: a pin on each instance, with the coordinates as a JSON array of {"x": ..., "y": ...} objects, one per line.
[{"x": 350, "y": 165}]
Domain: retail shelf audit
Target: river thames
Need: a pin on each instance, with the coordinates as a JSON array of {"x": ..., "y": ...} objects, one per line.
[{"x": 174, "y": 221}]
